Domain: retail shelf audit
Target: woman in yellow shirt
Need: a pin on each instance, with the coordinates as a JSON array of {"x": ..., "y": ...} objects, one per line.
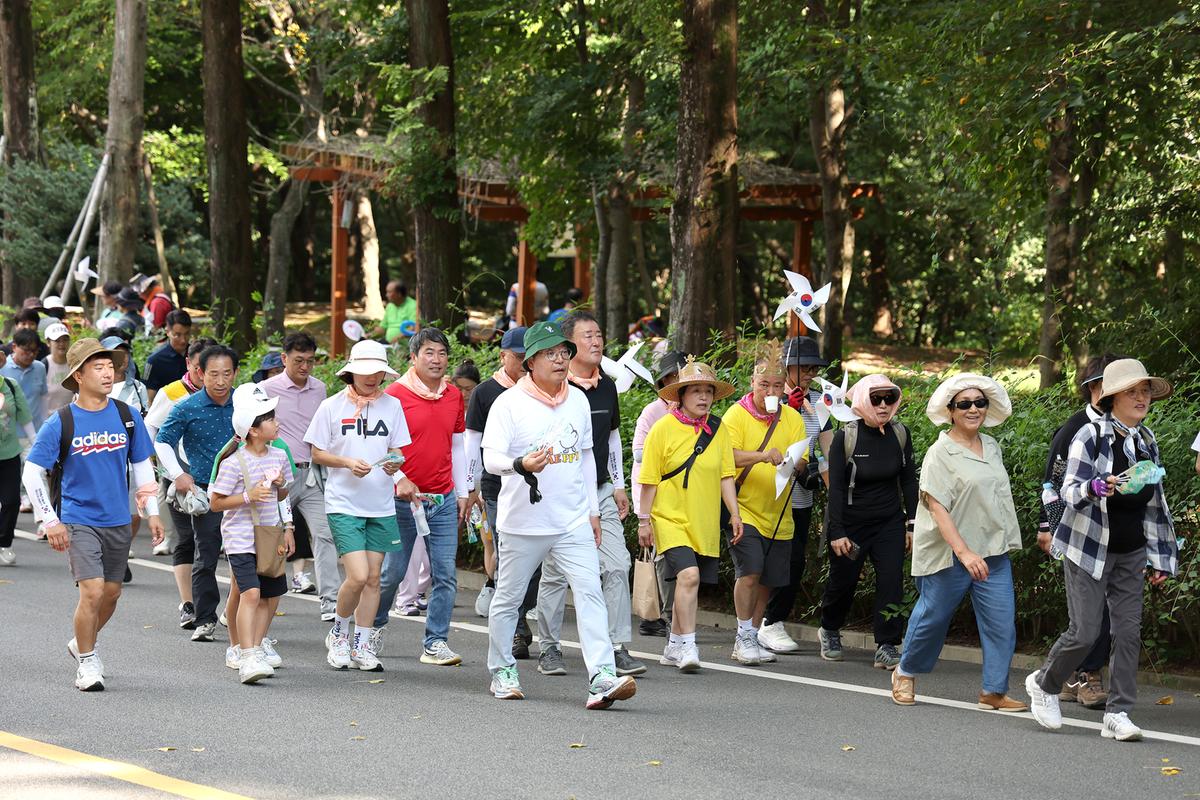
[{"x": 687, "y": 471}]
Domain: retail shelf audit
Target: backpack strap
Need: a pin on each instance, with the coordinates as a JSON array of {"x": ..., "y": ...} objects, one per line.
[
  {"x": 130, "y": 428},
  {"x": 702, "y": 443},
  {"x": 850, "y": 440},
  {"x": 745, "y": 473}
]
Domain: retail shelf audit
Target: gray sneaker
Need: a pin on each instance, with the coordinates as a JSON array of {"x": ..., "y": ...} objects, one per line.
[
  {"x": 887, "y": 657},
  {"x": 627, "y": 664},
  {"x": 205, "y": 632},
  {"x": 551, "y": 662},
  {"x": 606, "y": 687},
  {"x": 831, "y": 644}
]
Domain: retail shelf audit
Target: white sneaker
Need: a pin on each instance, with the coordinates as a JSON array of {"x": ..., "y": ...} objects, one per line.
[
  {"x": 253, "y": 668},
  {"x": 1044, "y": 706},
  {"x": 689, "y": 658},
  {"x": 670, "y": 655},
  {"x": 233, "y": 657},
  {"x": 365, "y": 660},
  {"x": 8, "y": 558},
  {"x": 327, "y": 616},
  {"x": 338, "y": 647},
  {"x": 375, "y": 642},
  {"x": 764, "y": 655},
  {"x": 774, "y": 637},
  {"x": 483, "y": 603},
  {"x": 532, "y": 615},
  {"x": 1118, "y": 726},
  {"x": 224, "y": 620},
  {"x": 73, "y": 649},
  {"x": 440, "y": 655},
  {"x": 163, "y": 548},
  {"x": 88, "y": 677},
  {"x": 270, "y": 654},
  {"x": 302, "y": 584},
  {"x": 745, "y": 650}
]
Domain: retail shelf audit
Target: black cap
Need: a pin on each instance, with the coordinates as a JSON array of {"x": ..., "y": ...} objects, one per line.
[
  {"x": 128, "y": 298},
  {"x": 800, "y": 351},
  {"x": 668, "y": 364}
]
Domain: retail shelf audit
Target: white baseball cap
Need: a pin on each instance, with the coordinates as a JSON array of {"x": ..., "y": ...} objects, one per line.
[
  {"x": 249, "y": 403},
  {"x": 53, "y": 301},
  {"x": 56, "y": 331}
]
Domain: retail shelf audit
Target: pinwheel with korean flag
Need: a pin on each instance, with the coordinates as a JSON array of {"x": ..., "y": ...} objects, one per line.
[{"x": 803, "y": 300}]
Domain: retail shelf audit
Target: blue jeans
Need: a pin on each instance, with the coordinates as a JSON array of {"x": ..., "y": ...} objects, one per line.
[
  {"x": 995, "y": 614},
  {"x": 442, "y": 545}
]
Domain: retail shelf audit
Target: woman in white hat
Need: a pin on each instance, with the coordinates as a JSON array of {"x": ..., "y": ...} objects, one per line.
[
  {"x": 1115, "y": 521},
  {"x": 966, "y": 526},
  {"x": 687, "y": 471},
  {"x": 357, "y": 435}
]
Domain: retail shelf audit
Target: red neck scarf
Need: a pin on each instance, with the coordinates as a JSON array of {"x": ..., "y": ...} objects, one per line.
[
  {"x": 530, "y": 388},
  {"x": 697, "y": 424},
  {"x": 747, "y": 403}
]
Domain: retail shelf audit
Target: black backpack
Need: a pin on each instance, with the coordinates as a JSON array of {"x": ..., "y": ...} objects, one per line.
[{"x": 67, "y": 422}]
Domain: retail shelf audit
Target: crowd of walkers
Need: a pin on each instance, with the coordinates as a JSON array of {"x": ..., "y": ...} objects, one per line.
[{"x": 374, "y": 483}]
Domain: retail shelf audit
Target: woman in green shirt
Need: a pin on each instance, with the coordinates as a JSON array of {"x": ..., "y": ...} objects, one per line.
[
  {"x": 966, "y": 525},
  {"x": 15, "y": 421}
]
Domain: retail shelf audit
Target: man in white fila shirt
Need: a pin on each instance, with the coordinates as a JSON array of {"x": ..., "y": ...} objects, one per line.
[{"x": 538, "y": 439}]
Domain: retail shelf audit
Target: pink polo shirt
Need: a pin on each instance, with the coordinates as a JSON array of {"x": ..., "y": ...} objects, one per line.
[
  {"x": 297, "y": 407},
  {"x": 645, "y": 421}
]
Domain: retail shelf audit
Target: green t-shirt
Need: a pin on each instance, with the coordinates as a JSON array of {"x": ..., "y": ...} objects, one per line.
[
  {"x": 280, "y": 443},
  {"x": 395, "y": 316},
  {"x": 13, "y": 417}
]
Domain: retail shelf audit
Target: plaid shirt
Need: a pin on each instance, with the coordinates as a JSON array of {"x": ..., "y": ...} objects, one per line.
[{"x": 1082, "y": 535}]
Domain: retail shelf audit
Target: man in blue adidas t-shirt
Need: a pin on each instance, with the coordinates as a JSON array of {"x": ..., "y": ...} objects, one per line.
[{"x": 92, "y": 522}]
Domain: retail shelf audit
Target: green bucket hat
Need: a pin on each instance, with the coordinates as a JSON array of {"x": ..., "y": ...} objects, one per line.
[{"x": 544, "y": 335}]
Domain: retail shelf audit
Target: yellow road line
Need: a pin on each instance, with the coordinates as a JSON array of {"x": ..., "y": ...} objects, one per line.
[{"x": 115, "y": 769}]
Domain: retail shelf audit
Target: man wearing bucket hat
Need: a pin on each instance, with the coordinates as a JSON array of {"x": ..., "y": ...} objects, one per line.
[
  {"x": 92, "y": 441},
  {"x": 1115, "y": 521},
  {"x": 357, "y": 434},
  {"x": 539, "y": 441}
]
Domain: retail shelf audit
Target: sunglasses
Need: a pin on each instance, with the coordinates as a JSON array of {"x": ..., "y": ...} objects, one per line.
[
  {"x": 978, "y": 402},
  {"x": 888, "y": 398}
]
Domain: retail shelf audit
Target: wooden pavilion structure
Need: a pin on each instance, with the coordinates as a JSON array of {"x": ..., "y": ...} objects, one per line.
[{"x": 770, "y": 193}]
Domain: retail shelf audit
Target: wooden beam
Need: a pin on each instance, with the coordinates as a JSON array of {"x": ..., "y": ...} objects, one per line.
[
  {"x": 774, "y": 213},
  {"x": 315, "y": 174},
  {"x": 526, "y": 281},
  {"x": 341, "y": 239},
  {"x": 802, "y": 235},
  {"x": 490, "y": 213},
  {"x": 583, "y": 263}
]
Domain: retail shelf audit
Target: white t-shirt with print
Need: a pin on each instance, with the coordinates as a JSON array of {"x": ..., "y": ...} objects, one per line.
[
  {"x": 519, "y": 424},
  {"x": 380, "y": 427}
]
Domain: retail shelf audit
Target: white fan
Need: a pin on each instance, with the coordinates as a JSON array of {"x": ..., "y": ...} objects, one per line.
[
  {"x": 624, "y": 370},
  {"x": 353, "y": 330},
  {"x": 783, "y": 473}
]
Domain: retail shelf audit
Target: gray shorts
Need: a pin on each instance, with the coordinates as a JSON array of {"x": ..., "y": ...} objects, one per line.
[
  {"x": 757, "y": 555},
  {"x": 99, "y": 552}
]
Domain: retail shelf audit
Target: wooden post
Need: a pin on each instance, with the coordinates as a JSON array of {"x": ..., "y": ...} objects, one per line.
[
  {"x": 526, "y": 281},
  {"x": 340, "y": 240},
  {"x": 583, "y": 264},
  {"x": 802, "y": 234}
]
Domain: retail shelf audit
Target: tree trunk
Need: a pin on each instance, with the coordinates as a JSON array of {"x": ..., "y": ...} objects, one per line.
[
  {"x": 119, "y": 216},
  {"x": 827, "y": 127},
  {"x": 704, "y": 213},
  {"x": 878, "y": 291},
  {"x": 1057, "y": 286},
  {"x": 439, "y": 264},
  {"x": 599, "y": 293},
  {"x": 225, "y": 144},
  {"x": 279, "y": 262},
  {"x": 616, "y": 299},
  {"x": 368, "y": 244},
  {"x": 649, "y": 292},
  {"x": 20, "y": 112}
]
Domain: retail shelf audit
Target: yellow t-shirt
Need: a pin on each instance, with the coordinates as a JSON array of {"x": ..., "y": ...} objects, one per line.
[
  {"x": 686, "y": 517},
  {"x": 757, "y": 501}
]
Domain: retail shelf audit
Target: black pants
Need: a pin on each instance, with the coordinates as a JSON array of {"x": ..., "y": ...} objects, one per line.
[
  {"x": 783, "y": 598},
  {"x": 10, "y": 498},
  {"x": 1098, "y": 657},
  {"x": 883, "y": 543},
  {"x": 200, "y": 545}
]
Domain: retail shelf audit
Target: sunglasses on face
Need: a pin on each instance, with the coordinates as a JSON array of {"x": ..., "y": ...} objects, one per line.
[
  {"x": 963, "y": 405},
  {"x": 888, "y": 398}
]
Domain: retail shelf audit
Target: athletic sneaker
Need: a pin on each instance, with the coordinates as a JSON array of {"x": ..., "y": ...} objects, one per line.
[
  {"x": 327, "y": 616},
  {"x": 440, "y": 655},
  {"x": 745, "y": 649},
  {"x": 551, "y": 661},
  {"x": 506, "y": 685},
  {"x": 375, "y": 641},
  {"x": 128, "y": 575},
  {"x": 270, "y": 653},
  {"x": 627, "y": 664},
  {"x": 338, "y": 651},
  {"x": 689, "y": 658},
  {"x": 887, "y": 657},
  {"x": 163, "y": 548},
  {"x": 8, "y": 557},
  {"x": 233, "y": 657},
  {"x": 224, "y": 620},
  {"x": 654, "y": 627},
  {"x": 483, "y": 603},
  {"x": 409, "y": 610},
  {"x": 302, "y": 584},
  {"x": 774, "y": 637},
  {"x": 1085, "y": 688},
  {"x": 1044, "y": 706},
  {"x": 73, "y": 649},
  {"x": 88, "y": 677},
  {"x": 187, "y": 616},
  {"x": 205, "y": 633},
  {"x": 422, "y": 603},
  {"x": 765, "y": 656},
  {"x": 1118, "y": 726},
  {"x": 608, "y": 687},
  {"x": 669, "y": 658},
  {"x": 520, "y": 648},
  {"x": 365, "y": 660},
  {"x": 831, "y": 644},
  {"x": 253, "y": 667}
]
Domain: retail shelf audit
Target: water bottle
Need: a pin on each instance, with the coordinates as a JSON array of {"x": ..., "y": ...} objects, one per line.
[
  {"x": 418, "y": 512},
  {"x": 1049, "y": 494},
  {"x": 475, "y": 520}
]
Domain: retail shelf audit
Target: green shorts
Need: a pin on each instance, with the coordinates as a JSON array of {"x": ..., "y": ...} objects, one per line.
[{"x": 352, "y": 534}]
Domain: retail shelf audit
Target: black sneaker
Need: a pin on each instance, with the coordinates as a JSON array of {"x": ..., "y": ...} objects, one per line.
[
  {"x": 551, "y": 662},
  {"x": 187, "y": 616},
  {"x": 521, "y": 644},
  {"x": 654, "y": 627},
  {"x": 128, "y": 575},
  {"x": 627, "y": 664}
]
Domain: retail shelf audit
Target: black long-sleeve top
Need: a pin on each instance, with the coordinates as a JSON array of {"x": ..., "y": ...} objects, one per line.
[
  {"x": 1060, "y": 447},
  {"x": 883, "y": 474}
]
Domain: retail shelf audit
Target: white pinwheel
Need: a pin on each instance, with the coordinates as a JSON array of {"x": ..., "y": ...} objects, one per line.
[
  {"x": 84, "y": 271},
  {"x": 626, "y": 368},
  {"x": 784, "y": 472},
  {"x": 833, "y": 402},
  {"x": 803, "y": 300}
]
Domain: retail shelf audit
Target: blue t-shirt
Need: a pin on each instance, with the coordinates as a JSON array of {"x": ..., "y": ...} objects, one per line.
[{"x": 95, "y": 489}]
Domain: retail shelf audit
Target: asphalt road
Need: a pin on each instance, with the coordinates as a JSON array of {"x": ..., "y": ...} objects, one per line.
[{"x": 801, "y": 728}]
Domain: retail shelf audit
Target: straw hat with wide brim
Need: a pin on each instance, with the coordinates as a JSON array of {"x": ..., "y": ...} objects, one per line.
[
  {"x": 1125, "y": 373},
  {"x": 366, "y": 358},
  {"x": 84, "y": 349},
  {"x": 692, "y": 373},
  {"x": 999, "y": 404}
]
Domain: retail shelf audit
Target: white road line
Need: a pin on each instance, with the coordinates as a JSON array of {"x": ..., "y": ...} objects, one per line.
[{"x": 1162, "y": 736}]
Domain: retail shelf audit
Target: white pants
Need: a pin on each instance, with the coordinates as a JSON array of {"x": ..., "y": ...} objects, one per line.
[
  {"x": 615, "y": 564},
  {"x": 518, "y": 555}
]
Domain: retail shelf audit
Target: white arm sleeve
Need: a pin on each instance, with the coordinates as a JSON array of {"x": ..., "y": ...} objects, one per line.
[
  {"x": 285, "y": 513},
  {"x": 474, "y": 457},
  {"x": 499, "y": 463},
  {"x": 147, "y": 485},
  {"x": 34, "y": 478},
  {"x": 616, "y": 460},
  {"x": 167, "y": 459},
  {"x": 589, "y": 478},
  {"x": 458, "y": 465}
]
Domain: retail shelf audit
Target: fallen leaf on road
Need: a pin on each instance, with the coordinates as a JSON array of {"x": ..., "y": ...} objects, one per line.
[
  {"x": 1166, "y": 761},
  {"x": 654, "y": 763},
  {"x": 1171, "y": 771},
  {"x": 164, "y": 749},
  {"x": 5, "y": 581},
  {"x": 377, "y": 680},
  {"x": 197, "y": 749},
  {"x": 417, "y": 716},
  {"x": 353, "y": 724},
  {"x": 279, "y": 613},
  {"x": 1165, "y": 701},
  {"x": 846, "y": 748},
  {"x": 147, "y": 627},
  {"x": 358, "y": 738},
  {"x": 577, "y": 745}
]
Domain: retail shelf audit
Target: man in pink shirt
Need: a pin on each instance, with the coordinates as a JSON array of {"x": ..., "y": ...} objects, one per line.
[{"x": 300, "y": 395}]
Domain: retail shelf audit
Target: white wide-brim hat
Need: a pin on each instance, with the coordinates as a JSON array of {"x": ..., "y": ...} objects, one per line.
[
  {"x": 367, "y": 358},
  {"x": 249, "y": 403},
  {"x": 999, "y": 404}
]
